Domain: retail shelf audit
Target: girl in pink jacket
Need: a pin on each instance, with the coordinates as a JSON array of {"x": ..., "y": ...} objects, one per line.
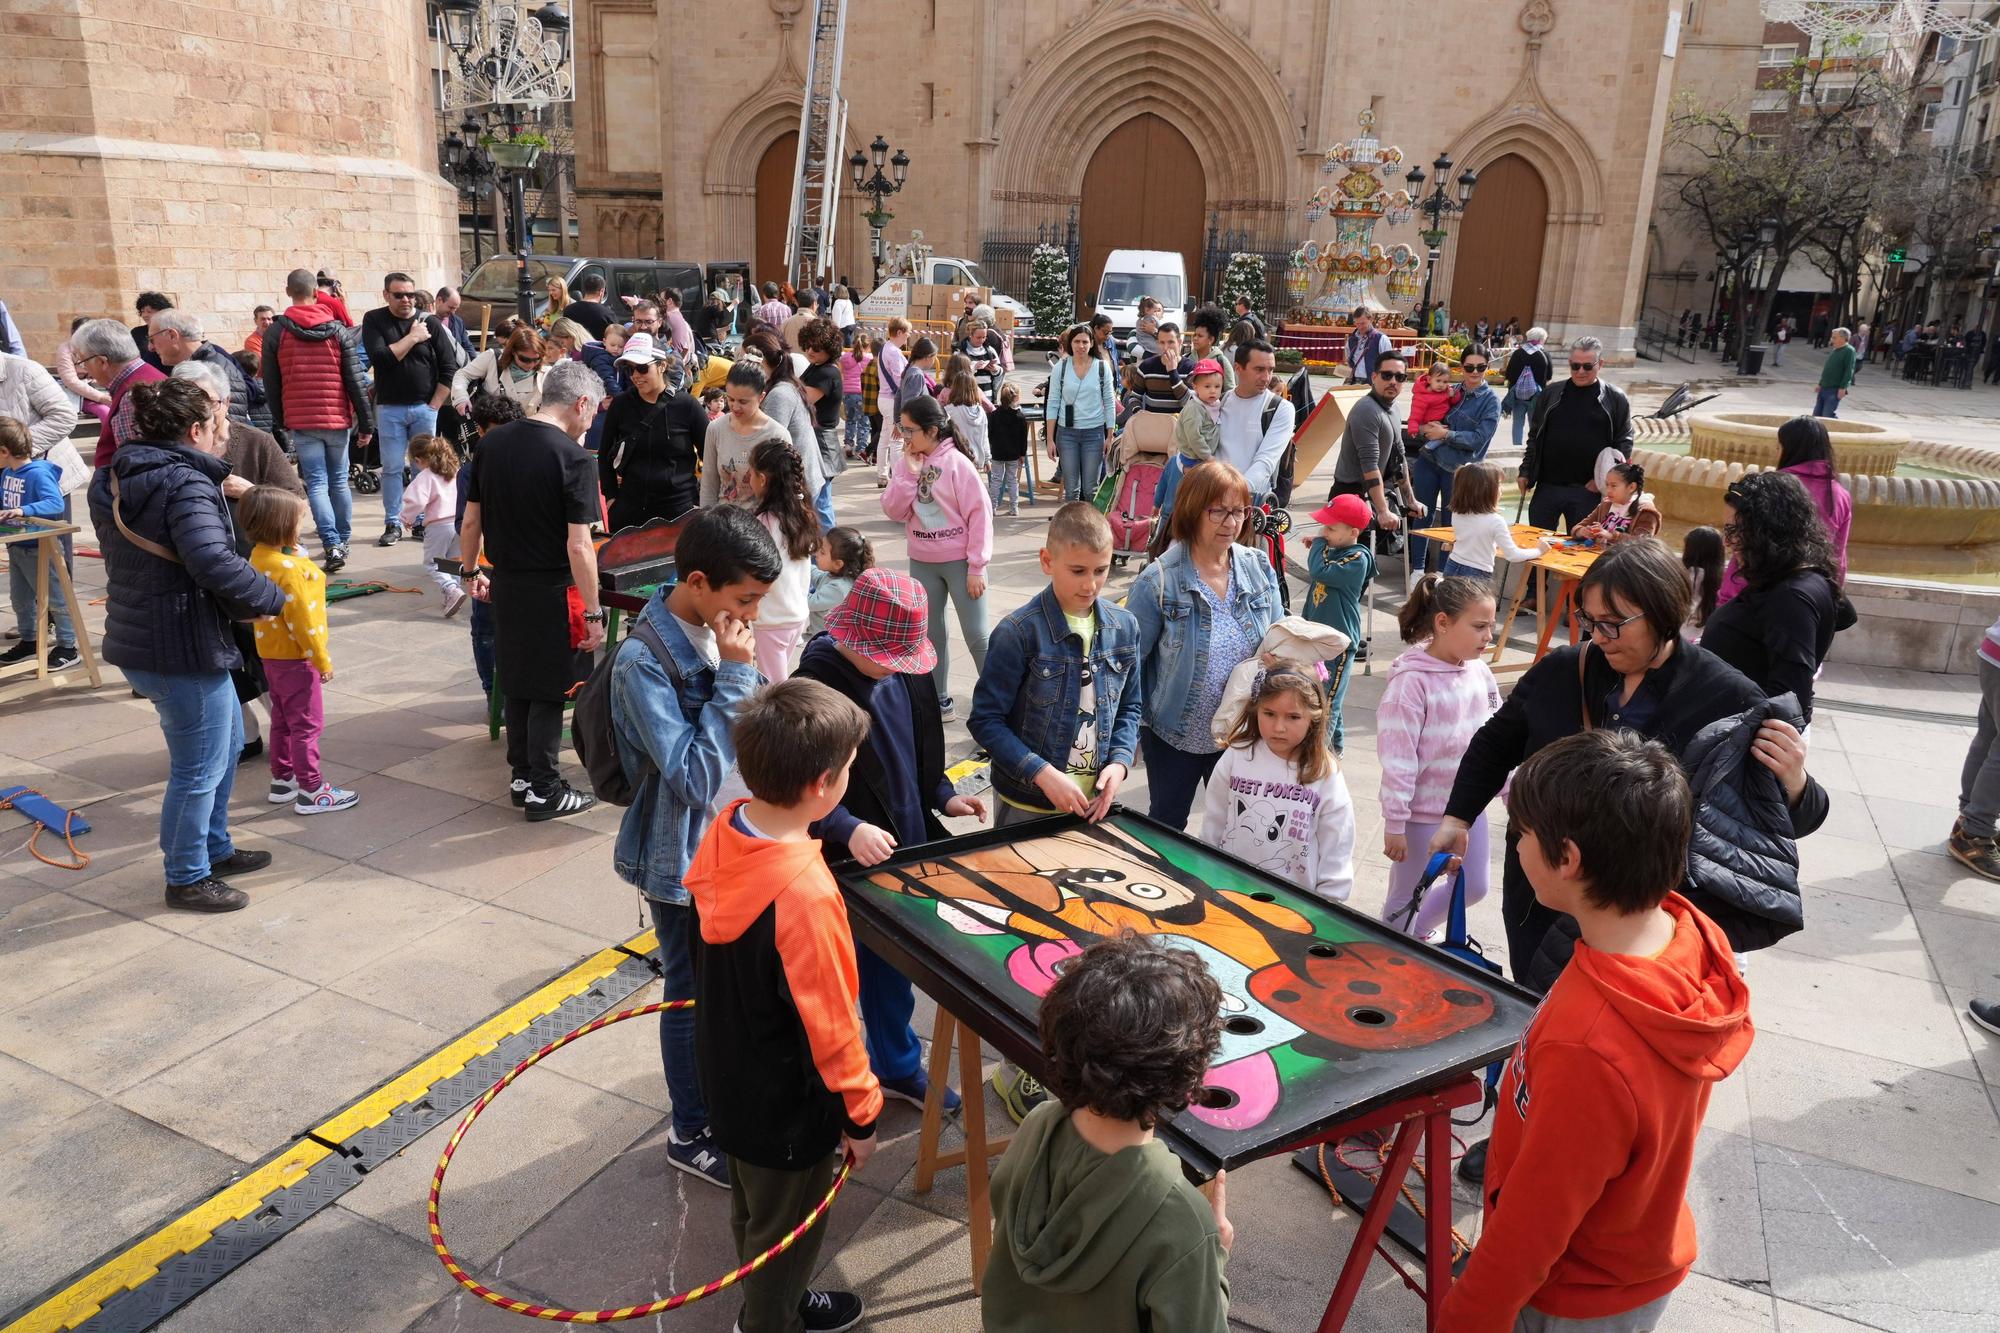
[
  {"x": 938, "y": 496},
  {"x": 1440, "y": 692}
]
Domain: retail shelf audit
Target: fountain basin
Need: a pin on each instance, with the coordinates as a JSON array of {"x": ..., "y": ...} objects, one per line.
[{"x": 1751, "y": 438}]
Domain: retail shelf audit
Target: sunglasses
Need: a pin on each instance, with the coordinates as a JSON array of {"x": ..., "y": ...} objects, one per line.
[
  {"x": 1395, "y": 376},
  {"x": 1472, "y": 365},
  {"x": 402, "y": 296},
  {"x": 1583, "y": 365}
]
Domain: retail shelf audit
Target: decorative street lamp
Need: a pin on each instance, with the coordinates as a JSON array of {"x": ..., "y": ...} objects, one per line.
[
  {"x": 503, "y": 59},
  {"x": 877, "y": 187},
  {"x": 470, "y": 167},
  {"x": 1749, "y": 250},
  {"x": 1438, "y": 206}
]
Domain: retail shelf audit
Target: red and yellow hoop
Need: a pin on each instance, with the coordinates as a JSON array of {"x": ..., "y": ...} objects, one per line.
[{"x": 674, "y": 1302}]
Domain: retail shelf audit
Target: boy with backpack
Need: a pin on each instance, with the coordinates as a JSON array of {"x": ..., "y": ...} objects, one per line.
[{"x": 675, "y": 685}]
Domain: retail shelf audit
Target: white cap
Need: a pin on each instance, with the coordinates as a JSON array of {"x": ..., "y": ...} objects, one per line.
[{"x": 640, "y": 349}]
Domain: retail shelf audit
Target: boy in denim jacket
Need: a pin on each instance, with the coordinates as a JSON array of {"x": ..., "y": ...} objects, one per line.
[
  {"x": 1058, "y": 704},
  {"x": 672, "y": 722}
]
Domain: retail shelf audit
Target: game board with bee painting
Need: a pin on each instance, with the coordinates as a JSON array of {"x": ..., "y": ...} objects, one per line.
[{"x": 1328, "y": 1014}]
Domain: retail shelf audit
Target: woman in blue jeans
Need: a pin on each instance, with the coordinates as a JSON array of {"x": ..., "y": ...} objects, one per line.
[
  {"x": 1442, "y": 447},
  {"x": 175, "y": 583},
  {"x": 1202, "y": 609},
  {"x": 1082, "y": 412}
]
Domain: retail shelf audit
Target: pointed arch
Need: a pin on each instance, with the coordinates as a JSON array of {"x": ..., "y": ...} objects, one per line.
[{"x": 729, "y": 170}]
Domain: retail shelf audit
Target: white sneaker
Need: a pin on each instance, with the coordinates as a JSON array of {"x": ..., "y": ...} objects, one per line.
[
  {"x": 456, "y": 603},
  {"x": 325, "y": 801},
  {"x": 283, "y": 792}
]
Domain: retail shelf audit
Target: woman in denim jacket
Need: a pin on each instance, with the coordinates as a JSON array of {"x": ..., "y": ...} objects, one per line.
[
  {"x": 1443, "y": 447},
  {"x": 1187, "y": 649}
]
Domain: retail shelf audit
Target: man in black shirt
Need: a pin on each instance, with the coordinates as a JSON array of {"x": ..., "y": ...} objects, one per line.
[
  {"x": 1574, "y": 421},
  {"x": 531, "y": 502},
  {"x": 412, "y": 357},
  {"x": 590, "y": 311}
]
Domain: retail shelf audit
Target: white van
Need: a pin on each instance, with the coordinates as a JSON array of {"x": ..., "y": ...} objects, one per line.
[{"x": 1131, "y": 274}]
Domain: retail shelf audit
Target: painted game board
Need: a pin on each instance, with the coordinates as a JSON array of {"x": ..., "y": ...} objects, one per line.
[{"x": 1327, "y": 1013}]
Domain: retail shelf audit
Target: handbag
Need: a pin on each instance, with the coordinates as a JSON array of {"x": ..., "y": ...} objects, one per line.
[{"x": 75, "y": 473}]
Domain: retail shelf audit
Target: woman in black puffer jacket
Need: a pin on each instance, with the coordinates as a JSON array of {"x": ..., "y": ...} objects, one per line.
[{"x": 176, "y": 582}]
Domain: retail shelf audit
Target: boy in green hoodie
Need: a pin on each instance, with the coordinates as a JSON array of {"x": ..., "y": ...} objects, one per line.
[{"x": 1095, "y": 1228}]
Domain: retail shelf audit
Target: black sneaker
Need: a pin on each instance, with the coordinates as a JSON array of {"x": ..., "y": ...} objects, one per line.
[
  {"x": 1472, "y": 1166},
  {"x": 698, "y": 1157},
  {"x": 517, "y": 792},
  {"x": 242, "y": 861},
  {"x": 334, "y": 560},
  {"x": 62, "y": 659},
  {"x": 1986, "y": 1013},
  {"x": 208, "y": 895},
  {"x": 24, "y": 651},
  {"x": 390, "y": 535},
  {"x": 253, "y": 750},
  {"x": 830, "y": 1311},
  {"x": 417, "y": 531},
  {"x": 563, "y": 801}
]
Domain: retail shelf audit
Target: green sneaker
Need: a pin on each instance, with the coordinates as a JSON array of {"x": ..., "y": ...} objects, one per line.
[
  {"x": 1980, "y": 855},
  {"x": 1020, "y": 1092}
]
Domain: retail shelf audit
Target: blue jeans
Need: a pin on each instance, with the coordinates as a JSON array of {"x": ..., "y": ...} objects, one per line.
[
  {"x": 1453, "y": 569},
  {"x": 857, "y": 424},
  {"x": 670, "y": 923},
  {"x": 1432, "y": 485},
  {"x": 204, "y": 731},
  {"x": 1172, "y": 774},
  {"x": 823, "y": 504},
  {"x": 323, "y": 465},
  {"x": 395, "y": 425},
  {"x": 1343, "y": 677},
  {"x": 1826, "y": 403},
  {"x": 887, "y": 1001},
  {"x": 483, "y": 651},
  {"x": 1081, "y": 451},
  {"x": 23, "y": 559},
  {"x": 1522, "y": 411}
]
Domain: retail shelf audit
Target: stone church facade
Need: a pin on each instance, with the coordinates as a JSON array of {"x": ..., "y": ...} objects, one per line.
[{"x": 1153, "y": 121}]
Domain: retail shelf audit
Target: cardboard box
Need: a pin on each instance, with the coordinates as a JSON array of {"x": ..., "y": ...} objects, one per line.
[{"x": 1003, "y": 318}]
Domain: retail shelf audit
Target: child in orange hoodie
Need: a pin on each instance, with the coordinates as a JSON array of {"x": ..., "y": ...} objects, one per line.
[
  {"x": 777, "y": 1037},
  {"x": 1587, "y": 1224}
]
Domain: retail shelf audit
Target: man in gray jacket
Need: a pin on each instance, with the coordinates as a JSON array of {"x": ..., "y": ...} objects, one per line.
[
  {"x": 1574, "y": 421},
  {"x": 1371, "y": 448}
]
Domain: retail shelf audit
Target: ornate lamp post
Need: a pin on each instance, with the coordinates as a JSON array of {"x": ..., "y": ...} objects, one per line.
[
  {"x": 504, "y": 58},
  {"x": 470, "y": 167},
  {"x": 1439, "y": 207},
  {"x": 877, "y": 187}
]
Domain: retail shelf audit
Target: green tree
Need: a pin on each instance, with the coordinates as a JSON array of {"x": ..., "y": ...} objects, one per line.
[{"x": 1049, "y": 294}]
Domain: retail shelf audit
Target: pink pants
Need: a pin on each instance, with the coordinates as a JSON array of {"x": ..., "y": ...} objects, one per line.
[
  {"x": 297, "y": 717},
  {"x": 774, "y": 650}
]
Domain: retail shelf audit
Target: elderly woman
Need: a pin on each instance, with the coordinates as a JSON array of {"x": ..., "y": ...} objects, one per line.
[
  {"x": 516, "y": 370},
  {"x": 1532, "y": 358},
  {"x": 176, "y": 582},
  {"x": 1202, "y": 609},
  {"x": 1778, "y": 629}
]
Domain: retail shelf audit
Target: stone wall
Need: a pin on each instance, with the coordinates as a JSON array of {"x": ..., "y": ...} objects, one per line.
[{"x": 205, "y": 149}]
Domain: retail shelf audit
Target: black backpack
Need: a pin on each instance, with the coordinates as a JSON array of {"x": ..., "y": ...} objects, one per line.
[
  {"x": 592, "y": 730},
  {"x": 1300, "y": 395}
]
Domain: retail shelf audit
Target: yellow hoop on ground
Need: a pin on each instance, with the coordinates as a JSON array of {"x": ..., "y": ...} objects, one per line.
[{"x": 674, "y": 1302}]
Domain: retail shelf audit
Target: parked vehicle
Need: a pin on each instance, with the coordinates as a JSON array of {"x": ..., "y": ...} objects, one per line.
[
  {"x": 1132, "y": 274},
  {"x": 922, "y": 268},
  {"x": 490, "y": 292}
]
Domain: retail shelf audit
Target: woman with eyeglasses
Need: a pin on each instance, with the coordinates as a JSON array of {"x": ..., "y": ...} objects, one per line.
[
  {"x": 653, "y": 435},
  {"x": 1202, "y": 609},
  {"x": 1778, "y": 629},
  {"x": 1464, "y": 436}
]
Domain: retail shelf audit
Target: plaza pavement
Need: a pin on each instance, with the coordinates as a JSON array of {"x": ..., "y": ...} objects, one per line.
[{"x": 1848, "y": 1176}]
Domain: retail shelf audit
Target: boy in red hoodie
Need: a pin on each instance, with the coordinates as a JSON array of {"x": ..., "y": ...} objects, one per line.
[
  {"x": 1587, "y": 1224},
  {"x": 777, "y": 1039}
]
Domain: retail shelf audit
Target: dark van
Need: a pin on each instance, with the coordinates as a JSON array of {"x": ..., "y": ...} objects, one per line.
[{"x": 490, "y": 292}]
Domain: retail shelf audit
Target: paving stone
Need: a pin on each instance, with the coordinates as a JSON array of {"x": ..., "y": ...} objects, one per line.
[
  {"x": 123, "y": 829},
  {"x": 1965, "y": 952},
  {"x": 342, "y": 921},
  {"x": 1933, "y": 882},
  {"x": 1857, "y": 866},
  {"x": 284, "y": 1074},
  {"x": 32, "y": 1102},
  {"x": 65, "y": 719},
  {"x": 584, "y": 893},
  {"x": 474, "y": 766},
  {"x": 1722, "y": 1192},
  {"x": 54, "y": 939},
  {"x": 623, "y": 1058},
  {"x": 1854, "y": 1008},
  {"x": 1908, "y": 825},
  {"x": 1880, "y": 1251},
  {"x": 63, "y": 1208},
  {"x": 912, "y": 1268},
  {"x": 1985, "y": 1046},
  {"x": 138, "y": 889},
  {"x": 469, "y": 968},
  {"x": 389, "y": 812},
  {"x": 337, "y": 1273},
  {"x": 1712, "y": 1305},
  {"x": 384, "y": 738},
  {"x": 1863, "y": 931},
  {"x": 388, "y": 680},
  {"x": 487, "y": 850}
]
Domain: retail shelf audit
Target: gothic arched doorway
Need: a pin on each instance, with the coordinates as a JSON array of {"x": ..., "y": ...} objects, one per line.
[
  {"x": 774, "y": 207},
  {"x": 1143, "y": 190},
  {"x": 1499, "y": 265}
]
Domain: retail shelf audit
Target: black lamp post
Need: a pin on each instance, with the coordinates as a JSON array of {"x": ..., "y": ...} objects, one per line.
[
  {"x": 1749, "y": 248},
  {"x": 470, "y": 167},
  {"x": 877, "y": 187},
  {"x": 1438, "y": 206}
]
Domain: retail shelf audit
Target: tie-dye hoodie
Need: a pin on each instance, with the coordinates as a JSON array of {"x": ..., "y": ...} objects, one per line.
[{"x": 1427, "y": 717}]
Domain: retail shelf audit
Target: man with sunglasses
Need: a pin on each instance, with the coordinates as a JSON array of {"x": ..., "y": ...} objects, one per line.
[
  {"x": 413, "y": 361},
  {"x": 1371, "y": 448},
  {"x": 1574, "y": 421},
  {"x": 1462, "y": 437}
]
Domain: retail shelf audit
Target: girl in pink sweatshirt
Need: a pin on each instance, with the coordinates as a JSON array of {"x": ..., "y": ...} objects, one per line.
[
  {"x": 937, "y": 494},
  {"x": 430, "y": 506},
  {"x": 1440, "y": 692}
]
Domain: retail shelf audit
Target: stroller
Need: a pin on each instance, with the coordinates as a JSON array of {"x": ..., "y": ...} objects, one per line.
[{"x": 364, "y": 467}]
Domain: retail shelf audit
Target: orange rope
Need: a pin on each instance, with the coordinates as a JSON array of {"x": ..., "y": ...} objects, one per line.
[{"x": 78, "y": 857}]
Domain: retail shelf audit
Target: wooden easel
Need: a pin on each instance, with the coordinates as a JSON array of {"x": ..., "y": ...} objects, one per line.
[
  {"x": 972, "y": 1090},
  {"x": 47, "y": 534}
]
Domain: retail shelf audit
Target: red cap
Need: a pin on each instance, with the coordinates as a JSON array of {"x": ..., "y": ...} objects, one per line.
[
  {"x": 1351, "y": 510},
  {"x": 1208, "y": 365}
]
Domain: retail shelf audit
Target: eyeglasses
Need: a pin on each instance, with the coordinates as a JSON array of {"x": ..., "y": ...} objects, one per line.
[
  {"x": 1395, "y": 376},
  {"x": 1224, "y": 517},
  {"x": 1472, "y": 365},
  {"x": 1583, "y": 365},
  {"x": 1607, "y": 630}
]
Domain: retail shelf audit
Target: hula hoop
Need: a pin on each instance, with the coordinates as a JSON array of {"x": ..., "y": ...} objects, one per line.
[{"x": 674, "y": 1302}]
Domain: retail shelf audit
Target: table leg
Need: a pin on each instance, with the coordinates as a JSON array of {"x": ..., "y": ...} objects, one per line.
[
  {"x": 1551, "y": 616},
  {"x": 1388, "y": 1189},
  {"x": 1437, "y": 1214},
  {"x": 42, "y": 608},
  {"x": 927, "y": 1138},
  {"x": 978, "y": 1211},
  {"x": 52, "y": 547}
]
